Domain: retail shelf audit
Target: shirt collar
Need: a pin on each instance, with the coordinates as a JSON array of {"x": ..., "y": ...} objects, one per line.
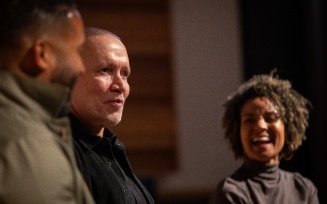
[
  {"x": 88, "y": 139},
  {"x": 261, "y": 170}
]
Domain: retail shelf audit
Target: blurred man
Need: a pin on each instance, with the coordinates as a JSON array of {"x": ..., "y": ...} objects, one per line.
[
  {"x": 97, "y": 104},
  {"x": 39, "y": 61}
]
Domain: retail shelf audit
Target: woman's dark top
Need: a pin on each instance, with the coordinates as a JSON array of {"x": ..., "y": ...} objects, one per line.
[
  {"x": 105, "y": 167},
  {"x": 256, "y": 182}
]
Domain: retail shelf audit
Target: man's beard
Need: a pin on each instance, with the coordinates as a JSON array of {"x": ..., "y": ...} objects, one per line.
[{"x": 64, "y": 75}]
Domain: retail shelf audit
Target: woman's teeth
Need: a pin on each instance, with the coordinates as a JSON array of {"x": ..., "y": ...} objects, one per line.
[{"x": 261, "y": 139}]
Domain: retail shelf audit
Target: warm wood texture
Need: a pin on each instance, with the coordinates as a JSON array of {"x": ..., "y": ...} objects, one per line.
[{"x": 148, "y": 125}]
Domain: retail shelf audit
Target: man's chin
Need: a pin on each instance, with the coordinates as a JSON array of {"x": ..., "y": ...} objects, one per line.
[{"x": 113, "y": 121}]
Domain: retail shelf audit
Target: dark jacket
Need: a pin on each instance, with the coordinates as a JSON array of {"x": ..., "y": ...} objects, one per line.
[{"x": 105, "y": 167}]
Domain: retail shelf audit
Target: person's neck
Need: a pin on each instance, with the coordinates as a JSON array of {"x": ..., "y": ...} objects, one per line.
[
  {"x": 100, "y": 132},
  {"x": 96, "y": 130}
]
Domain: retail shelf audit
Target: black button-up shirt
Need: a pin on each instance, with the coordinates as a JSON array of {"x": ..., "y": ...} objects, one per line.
[{"x": 104, "y": 165}]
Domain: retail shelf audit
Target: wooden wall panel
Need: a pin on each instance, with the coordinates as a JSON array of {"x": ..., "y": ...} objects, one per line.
[
  {"x": 151, "y": 78},
  {"x": 144, "y": 31},
  {"x": 148, "y": 125}
]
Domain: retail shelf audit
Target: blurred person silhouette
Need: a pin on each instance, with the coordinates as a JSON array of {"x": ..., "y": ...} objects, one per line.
[
  {"x": 39, "y": 62},
  {"x": 265, "y": 121},
  {"x": 97, "y": 104}
]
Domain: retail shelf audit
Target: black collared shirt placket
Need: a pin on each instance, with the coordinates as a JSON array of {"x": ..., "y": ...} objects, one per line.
[
  {"x": 105, "y": 167},
  {"x": 113, "y": 166}
]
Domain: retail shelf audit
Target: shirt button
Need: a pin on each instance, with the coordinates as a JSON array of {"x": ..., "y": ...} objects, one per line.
[{"x": 125, "y": 190}]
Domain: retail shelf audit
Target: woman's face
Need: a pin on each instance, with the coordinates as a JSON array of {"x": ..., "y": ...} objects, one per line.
[{"x": 262, "y": 130}]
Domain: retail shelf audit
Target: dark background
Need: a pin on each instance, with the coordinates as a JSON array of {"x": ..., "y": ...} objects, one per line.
[{"x": 290, "y": 35}]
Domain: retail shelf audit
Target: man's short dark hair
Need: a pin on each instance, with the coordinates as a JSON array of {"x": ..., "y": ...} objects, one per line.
[{"x": 22, "y": 17}]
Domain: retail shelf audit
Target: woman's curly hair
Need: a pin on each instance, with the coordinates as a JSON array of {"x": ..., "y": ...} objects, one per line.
[{"x": 293, "y": 109}]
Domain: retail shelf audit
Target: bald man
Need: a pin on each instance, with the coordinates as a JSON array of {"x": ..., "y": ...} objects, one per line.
[{"x": 97, "y": 104}]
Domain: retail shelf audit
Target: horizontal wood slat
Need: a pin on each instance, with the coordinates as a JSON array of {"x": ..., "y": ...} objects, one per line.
[
  {"x": 150, "y": 78},
  {"x": 144, "y": 32}
]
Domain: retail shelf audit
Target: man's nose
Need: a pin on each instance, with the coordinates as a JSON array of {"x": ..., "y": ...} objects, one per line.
[{"x": 118, "y": 84}]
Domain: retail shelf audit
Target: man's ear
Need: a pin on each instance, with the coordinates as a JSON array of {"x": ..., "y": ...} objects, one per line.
[
  {"x": 38, "y": 59},
  {"x": 43, "y": 55}
]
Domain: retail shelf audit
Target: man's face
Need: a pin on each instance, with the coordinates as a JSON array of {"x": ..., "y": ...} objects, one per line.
[
  {"x": 99, "y": 95},
  {"x": 68, "y": 62}
]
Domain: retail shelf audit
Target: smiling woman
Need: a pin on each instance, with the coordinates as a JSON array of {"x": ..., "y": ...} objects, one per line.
[
  {"x": 265, "y": 121},
  {"x": 262, "y": 130}
]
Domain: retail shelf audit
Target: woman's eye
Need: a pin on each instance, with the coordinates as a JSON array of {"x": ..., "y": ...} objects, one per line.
[
  {"x": 248, "y": 120},
  {"x": 272, "y": 117}
]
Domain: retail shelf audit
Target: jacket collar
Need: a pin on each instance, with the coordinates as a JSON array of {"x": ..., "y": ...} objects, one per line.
[{"x": 42, "y": 97}]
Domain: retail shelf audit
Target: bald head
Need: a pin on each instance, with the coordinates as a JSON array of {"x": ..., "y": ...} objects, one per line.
[
  {"x": 100, "y": 44},
  {"x": 95, "y": 40},
  {"x": 91, "y": 32}
]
